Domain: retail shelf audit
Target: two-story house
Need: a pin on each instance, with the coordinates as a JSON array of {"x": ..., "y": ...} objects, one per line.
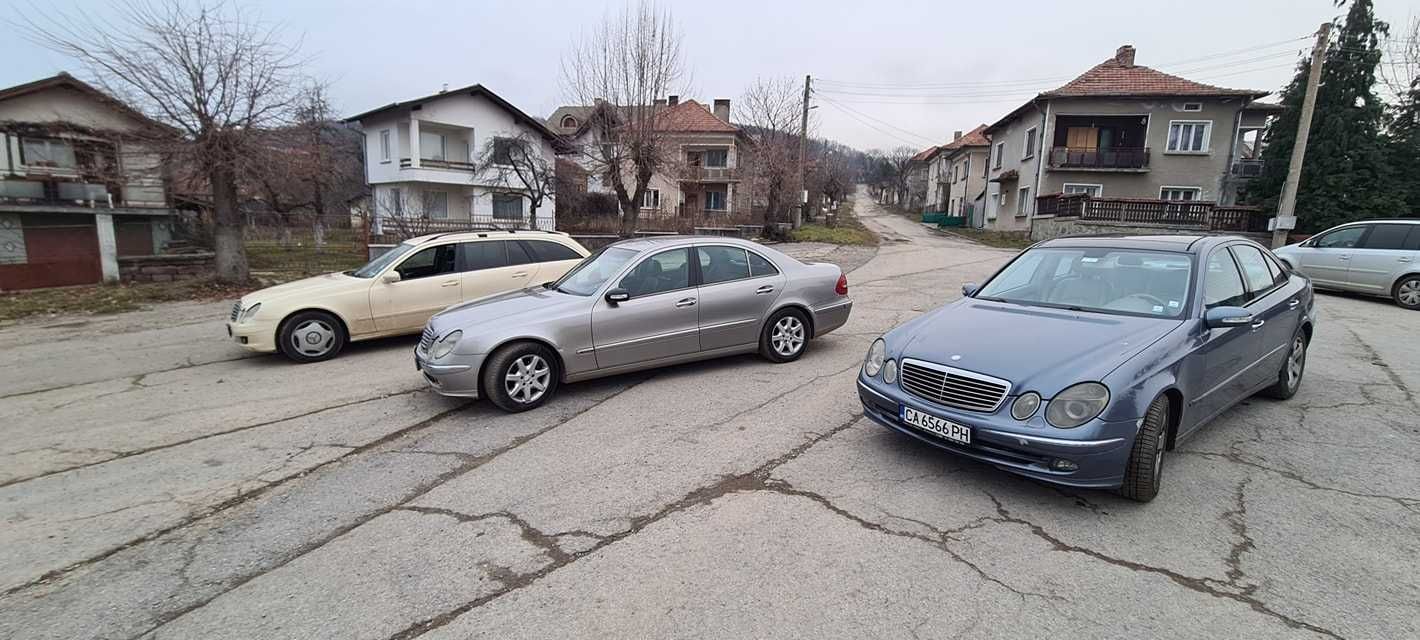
[
  {"x": 964, "y": 167},
  {"x": 424, "y": 159},
  {"x": 1120, "y": 130},
  {"x": 81, "y": 183},
  {"x": 705, "y": 153}
]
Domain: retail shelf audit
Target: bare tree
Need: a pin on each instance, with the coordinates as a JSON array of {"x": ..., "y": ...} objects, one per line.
[
  {"x": 517, "y": 166},
  {"x": 899, "y": 171},
  {"x": 1400, "y": 71},
  {"x": 208, "y": 70},
  {"x": 622, "y": 67},
  {"x": 770, "y": 111}
]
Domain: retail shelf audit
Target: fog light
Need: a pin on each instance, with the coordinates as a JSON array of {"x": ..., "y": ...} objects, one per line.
[
  {"x": 890, "y": 372},
  {"x": 1063, "y": 465}
]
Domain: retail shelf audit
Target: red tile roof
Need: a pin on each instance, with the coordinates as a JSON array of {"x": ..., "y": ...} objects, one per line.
[
  {"x": 691, "y": 116},
  {"x": 1119, "y": 76},
  {"x": 974, "y": 138},
  {"x": 924, "y": 154}
]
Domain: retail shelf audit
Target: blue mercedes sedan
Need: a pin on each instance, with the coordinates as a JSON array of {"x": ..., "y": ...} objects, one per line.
[{"x": 1084, "y": 359}]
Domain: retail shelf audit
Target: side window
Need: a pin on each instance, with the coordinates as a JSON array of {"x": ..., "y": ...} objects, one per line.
[
  {"x": 545, "y": 251},
  {"x": 1222, "y": 284},
  {"x": 483, "y": 255},
  {"x": 1412, "y": 241},
  {"x": 722, "y": 264},
  {"x": 761, "y": 266},
  {"x": 432, "y": 261},
  {"x": 516, "y": 253},
  {"x": 1342, "y": 238},
  {"x": 665, "y": 271},
  {"x": 1278, "y": 276},
  {"x": 1254, "y": 267},
  {"x": 1387, "y": 236}
]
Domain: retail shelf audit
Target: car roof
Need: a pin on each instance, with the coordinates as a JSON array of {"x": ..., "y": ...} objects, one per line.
[
  {"x": 475, "y": 234},
  {"x": 659, "y": 241},
  {"x": 1376, "y": 220},
  {"x": 1180, "y": 243}
]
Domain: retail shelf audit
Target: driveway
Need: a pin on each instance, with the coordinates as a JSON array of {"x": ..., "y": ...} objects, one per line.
[{"x": 155, "y": 482}]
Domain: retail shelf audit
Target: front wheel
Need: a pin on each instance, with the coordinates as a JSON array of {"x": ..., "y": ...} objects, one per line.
[
  {"x": 785, "y": 336},
  {"x": 1407, "y": 293},
  {"x": 520, "y": 377},
  {"x": 311, "y": 336},
  {"x": 1143, "y": 474},
  {"x": 1289, "y": 379}
]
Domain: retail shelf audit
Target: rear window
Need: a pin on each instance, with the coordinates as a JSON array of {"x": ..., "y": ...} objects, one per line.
[
  {"x": 545, "y": 251},
  {"x": 1387, "y": 236}
]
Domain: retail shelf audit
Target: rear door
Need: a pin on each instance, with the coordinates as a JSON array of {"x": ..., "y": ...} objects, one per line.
[
  {"x": 484, "y": 269},
  {"x": 1226, "y": 351},
  {"x": 1380, "y": 258},
  {"x": 429, "y": 282},
  {"x": 735, "y": 296},
  {"x": 554, "y": 259},
  {"x": 659, "y": 321},
  {"x": 1327, "y": 258}
]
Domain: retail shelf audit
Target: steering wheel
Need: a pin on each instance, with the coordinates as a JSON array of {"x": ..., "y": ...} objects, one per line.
[{"x": 1146, "y": 297}]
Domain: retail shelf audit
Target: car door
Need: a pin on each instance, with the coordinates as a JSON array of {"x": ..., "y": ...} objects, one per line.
[
  {"x": 554, "y": 258},
  {"x": 1326, "y": 258},
  {"x": 734, "y": 300},
  {"x": 484, "y": 269},
  {"x": 429, "y": 281},
  {"x": 660, "y": 319},
  {"x": 1380, "y": 258},
  {"x": 1226, "y": 351},
  {"x": 1276, "y": 312}
]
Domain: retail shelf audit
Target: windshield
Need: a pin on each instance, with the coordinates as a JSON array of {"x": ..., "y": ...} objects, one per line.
[
  {"x": 378, "y": 264},
  {"x": 1133, "y": 282},
  {"x": 588, "y": 276}
]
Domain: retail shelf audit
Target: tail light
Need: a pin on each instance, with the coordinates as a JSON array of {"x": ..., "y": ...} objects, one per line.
[{"x": 842, "y": 287}]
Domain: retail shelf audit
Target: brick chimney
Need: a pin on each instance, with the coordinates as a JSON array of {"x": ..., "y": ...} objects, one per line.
[
  {"x": 956, "y": 135},
  {"x": 722, "y": 109},
  {"x": 672, "y": 100},
  {"x": 1125, "y": 55}
]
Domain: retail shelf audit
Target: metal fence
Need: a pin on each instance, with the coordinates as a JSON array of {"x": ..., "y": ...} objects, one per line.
[{"x": 1193, "y": 213}]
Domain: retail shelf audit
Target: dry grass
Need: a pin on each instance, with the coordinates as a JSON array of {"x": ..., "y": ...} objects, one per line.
[
  {"x": 107, "y": 299},
  {"x": 847, "y": 229}
]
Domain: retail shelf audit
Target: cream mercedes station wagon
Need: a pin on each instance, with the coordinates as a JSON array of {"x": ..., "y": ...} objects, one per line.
[{"x": 311, "y": 320}]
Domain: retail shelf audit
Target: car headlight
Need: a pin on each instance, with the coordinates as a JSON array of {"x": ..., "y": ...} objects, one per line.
[
  {"x": 248, "y": 312},
  {"x": 876, "y": 354},
  {"x": 890, "y": 372},
  {"x": 1025, "y": 405},
  {"x": 1077, "y": 405},
  {"x": 445, "y": 345}
]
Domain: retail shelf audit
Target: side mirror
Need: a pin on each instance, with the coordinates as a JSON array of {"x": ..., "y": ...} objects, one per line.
[
  {"x": 969, "y": 289},
  {"x": 618, "y": 295},
  {"x": 1227, "y": 317},
  {"x": 391, "y": 277}
]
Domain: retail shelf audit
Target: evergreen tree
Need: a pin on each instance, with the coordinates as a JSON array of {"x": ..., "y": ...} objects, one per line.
[
  {"x": 1405, "y": 149},
  {"x": 1347, "y": 174}
]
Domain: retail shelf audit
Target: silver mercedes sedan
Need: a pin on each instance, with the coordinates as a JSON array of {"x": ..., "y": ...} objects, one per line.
[{"x": 633, "y": 305}]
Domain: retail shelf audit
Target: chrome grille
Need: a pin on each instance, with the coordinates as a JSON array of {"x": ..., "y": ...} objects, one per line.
[
  {"x": 236, "y": 310},
  {"x": 952, "y": 387},
  {"x": 426, "y": 339}
]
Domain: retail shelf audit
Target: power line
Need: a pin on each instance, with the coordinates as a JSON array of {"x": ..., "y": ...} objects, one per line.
[
  {"x": 879, "y": 120},
  {"x": 870, "y": 125}
]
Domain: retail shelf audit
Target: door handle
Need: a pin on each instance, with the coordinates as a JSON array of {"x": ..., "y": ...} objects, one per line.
[
  {"x": 520, "y": 274},
  {"x": 1292, "y": 304},
  {"x": 1258, "y": 323},
  {"x": 1405, "y": 260},
  {"x": 764, "y": 289},
  {"x": 1343, "y": 258},
  {"x": 686, "y": 302},
  {"x": 451, "y": 283}
]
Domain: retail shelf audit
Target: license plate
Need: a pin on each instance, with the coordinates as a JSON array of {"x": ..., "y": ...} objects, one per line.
[{"x": 937, "y": 426}]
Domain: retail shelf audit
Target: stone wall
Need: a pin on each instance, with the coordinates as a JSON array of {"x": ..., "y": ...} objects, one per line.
[
  {"x": 1047, "y": 228},
  {"x": 166, "y": 268}
]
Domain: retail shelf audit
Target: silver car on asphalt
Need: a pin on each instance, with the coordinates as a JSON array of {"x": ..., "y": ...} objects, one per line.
[
  {"x": 632, "y": 305},
  {"x": 1374, "y": 257}
]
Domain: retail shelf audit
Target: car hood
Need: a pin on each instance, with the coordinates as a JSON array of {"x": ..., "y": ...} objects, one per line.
[
  {"x": 306, "y": 288},
  {"x": 517, "y": 306},
  {"x": 1036, "y": 348}
]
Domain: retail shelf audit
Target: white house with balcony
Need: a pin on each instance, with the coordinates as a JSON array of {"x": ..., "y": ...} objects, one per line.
[{"x": 422, "y": 160}]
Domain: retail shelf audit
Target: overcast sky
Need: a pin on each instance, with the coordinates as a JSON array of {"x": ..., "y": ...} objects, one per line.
[{"x": 983, "y": 57}]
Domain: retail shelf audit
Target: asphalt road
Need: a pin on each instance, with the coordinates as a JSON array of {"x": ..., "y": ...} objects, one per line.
[{"x": 157, "y": 483}]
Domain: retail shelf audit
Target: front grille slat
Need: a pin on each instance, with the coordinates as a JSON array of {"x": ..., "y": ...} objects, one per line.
[
  {"x": 426, "y": 339},
  {"x": 236, "y": 310},
  {"x": 953, "y": 387}
]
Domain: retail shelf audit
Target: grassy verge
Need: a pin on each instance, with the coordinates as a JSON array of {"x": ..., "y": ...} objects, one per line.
[
  {"x": 847, "y": 229},
  {"x": 107, "y": 299}
]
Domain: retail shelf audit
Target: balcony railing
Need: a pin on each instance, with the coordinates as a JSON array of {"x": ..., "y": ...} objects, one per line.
[
  {"x": 1135, "y": 159},
  {"x": 710, "y": 174},
  {"x": 60, "y": 192},
  {"x": 1247, "y": 168},
  {"x": 1192, "y": 213},
  {"x": 430, "y": 163}
]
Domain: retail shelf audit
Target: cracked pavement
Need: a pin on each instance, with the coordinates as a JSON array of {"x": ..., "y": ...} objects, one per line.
[{"x": 155, "y": 482}]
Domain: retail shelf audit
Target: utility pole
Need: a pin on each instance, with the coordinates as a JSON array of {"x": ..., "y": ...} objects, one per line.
[
  {"x": 803, "y": 153},
  {"x": 1286, "y": 207}
]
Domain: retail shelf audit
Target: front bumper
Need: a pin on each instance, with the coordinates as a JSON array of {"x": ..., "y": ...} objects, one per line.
[
  {"x": 253, "y": 336},
  {"x": 1100, "y": 449},
  {"x": 456, "y": 375}
]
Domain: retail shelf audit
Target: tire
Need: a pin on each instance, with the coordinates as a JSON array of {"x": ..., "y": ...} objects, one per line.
[
  {"x": 1143, "y": 474},
  {"x": 1289, "y": 379},
  {"x": 1407, "y": 292},
  {"x": 785, "y": 336},
  {"x": 311, "y": 336},
  {"x": 520, "y": 376}
]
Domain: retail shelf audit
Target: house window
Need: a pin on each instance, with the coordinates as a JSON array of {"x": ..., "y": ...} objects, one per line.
[
  {"x": 1022, "y": 201},
  {"x": 396, "y": 202},
  {"x": 431, "y": 146},
  {"x": 385, "y": 145},
  {"x": 715, "y": 200},
  {"x": 503, "y": 151},
  {"x": 436, "y": 204},
  {"x": 1000, "y": 152},
  {"x": 1193, "y": 106},
  {"x": 1182, "y": 194},
  {"x": 47, "y": 152},
  {"x": 568, "y": 122},
  {"x": 717, "y": 158},
  {"x": 651, "y": 199},
  {"x": 1189, "y": 136},
  {"x": 1030, "y": 144},
  {"x": 507, "y": 207},
  {"x": 1091, "y": 190}
]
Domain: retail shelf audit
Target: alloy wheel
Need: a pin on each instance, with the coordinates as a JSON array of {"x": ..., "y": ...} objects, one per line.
[
  {"x": 527, "y": 379},
  {"x": 313, "y": 338},
  {"x": 1296, "y": 361},
  {"x": 1409, "y": 293},
  {"x": 788, "y": 336}
]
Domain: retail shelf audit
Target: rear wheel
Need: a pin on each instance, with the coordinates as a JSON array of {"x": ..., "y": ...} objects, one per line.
[
  {"x": 1407, "y": 292},
  {"x": 1143, "y": 474},
  {"x": 520, "y": 377},
  {"x": 311, "y": 336},
  {"x": 785, "y": 336},
  {"x": 1289, "y": 379}
]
